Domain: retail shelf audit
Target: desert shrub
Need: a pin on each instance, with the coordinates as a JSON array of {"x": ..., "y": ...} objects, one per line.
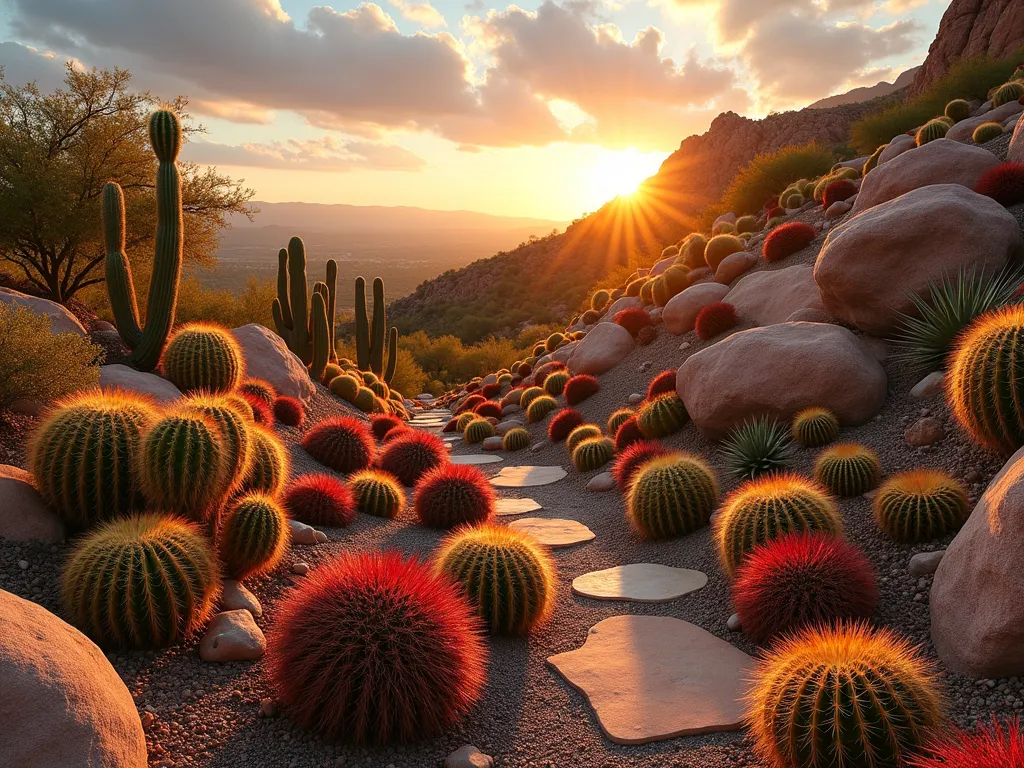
[
  {"x": 848, "y": 469},
  {"x": 787, "y": 239},
  {"x": 769, "y": 173},
  {"x": 1004, "y": 183},
  {"x": 403, "y": 658},
  {"x": 38, "y": 364},
  {"x": 759, "y": 446},
  {"x": 920, "y": 505},
  {"x": 715, "y": 319}
]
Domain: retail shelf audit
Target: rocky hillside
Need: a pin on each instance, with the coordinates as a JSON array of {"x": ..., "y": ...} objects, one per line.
[
  {"x": 972, "y": 28},
  {"x": 867, "y": 93}
]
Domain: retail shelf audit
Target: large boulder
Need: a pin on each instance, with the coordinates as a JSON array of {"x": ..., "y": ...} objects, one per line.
[
  {"x": 61, "y": 320},
  {"x": 977, "y": 611},
  {"x": 24, "y": 515},
  {"x": 660, "y": 267},
  {"x": 267, "y": 357},
  {"x": 778, "y": 371},
  {"x": 938, "y": 162},
  {"x": 770, "y": 297},
  {"x": 119, "y": 376},
  {"x": 623, "y": 302},
  {"x": 895, "y": 148},
  {"x": 63, "y": 705},
  {"x": 963, "y": 130},
  {"x": 600, "y": 350},
  {"x": 680, "y": 313},
  {"x": 563, "y": 353},
  {"x": 1015, "y": 154},
  {"x": 871, "y": 262}
]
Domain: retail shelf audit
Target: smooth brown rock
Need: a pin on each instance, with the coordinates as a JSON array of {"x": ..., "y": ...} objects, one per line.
[
  {"x": 680, "y": 313},
  {"x": 468, "y": 757},
  {"x": 119, "y": 376},
  {"x": 897, "y": 146},
  {"x": 930, "y": 386},
  {"x": 871, "y": 262},
  {"x": 650, "y": 678},
  {"x": 62, "y": 705},
  {"x": 61, "y": 319},
  {"x": 777, "y": 371},
  {"x": 734, "y": 265},
  {"x": 601, "y": 349},
  {"x": 505, "y": 507},
  {"x": 1015, "y": 153},
  {"x": 232, "y": 636},
  {"x": 926, "y": 431},
  {"x": 475, "y": 458},
  {"x": 605, "y": 481},
  {"x": 24, "y": 515},
  {"x": 639, "y": 583},
  {"x": 235, "y": 597},
  {"x": 964, "y": 130},
  {"x": 267, "y": 357},
  {"x": 976, "y": 606},
  {"x": 770, "y": 297},
  {"x": 554, "y": 532}
]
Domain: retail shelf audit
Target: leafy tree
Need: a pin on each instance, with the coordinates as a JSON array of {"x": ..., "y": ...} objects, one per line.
[{"x": 58, "y": 149}]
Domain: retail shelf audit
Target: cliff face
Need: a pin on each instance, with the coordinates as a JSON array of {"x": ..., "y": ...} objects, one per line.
[
  {"x": 867, "y": 93},
  {"x": 970, "y": 28}
]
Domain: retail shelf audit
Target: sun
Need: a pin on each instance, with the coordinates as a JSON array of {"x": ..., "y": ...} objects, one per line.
[{"x": 618, "y": 173}]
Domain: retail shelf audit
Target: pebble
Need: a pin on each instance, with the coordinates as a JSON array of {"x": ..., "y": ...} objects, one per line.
[
  {"x": 302, "y": 533},
  {"x": 505, "y": 426},
  {"x": 468, "y": 757},
  {"x": 926, "y": 431},
  {"x": 684, "y": 346},
  {"x": 733, "y": 624},
  {"x": 929, "y": 386},
  {"x": 635, "y": 398},
  {"x": 538, "y": 447},
  {"x": 602, "y": 482},
  {"x": 924, "y": 563},
  {"x": 646, "y": 366},
  {"x": 235, "y": 597},
  {"x": 23, "y": 564},
  {"x": 300, "y": 569},
  {"x": 232, "y": 636},
  {"x": 511, "y": 408},
  {"x": 268, "y": 708},
  {"x": 492, "y": 443}
]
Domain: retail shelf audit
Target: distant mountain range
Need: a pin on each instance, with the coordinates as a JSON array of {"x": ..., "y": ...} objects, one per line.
[{"x": 867, "y": 93}]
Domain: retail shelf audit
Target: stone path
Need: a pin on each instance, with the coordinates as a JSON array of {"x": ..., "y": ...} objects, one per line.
[
  {"x": 527, "y": 476},
  {"x": 554, "y": 532},
  {"x": 640, "y": 583},
  {"x": 515, "y": 506},
  {"x": 475, "y": 458},
  {"x": 650, "y": 678}
]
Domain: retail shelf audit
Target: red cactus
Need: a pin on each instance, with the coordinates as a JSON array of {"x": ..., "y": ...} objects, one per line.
[
  {"x": 343, "y": 443},
  {"x": 411, "y": 455},
  {"x": 264, "y": 390},
  {"x": 632, "y": 458},
  {"x": 524, "y": 370},
  {"x": 840, "y": 189},
  {"x": 627, "y": 434},
  {"x": 633, "y": 320},
  {"x": 452, "y": 425},
  {"x": 775, "y": 211},
  {"x": 289, "y": 411},
  {"x": 490, "y": 390},
  {"x": 470, "y": 403},
  {"x": 374, "y": 648},
  {"x": 542, "y": 372},
  {"x": 382, "y": 424},
  {"x": 453, "y": 494},
  {"x": 1004, "y": 183},
  {"x": 662, "y": 384},
  {"x": 771, "y": 202},
  {"x": 564, "y": 422},
  {"x": 801, "y": 580},
  {"x": 319, "y": 499},
  {"x": 261, "y": 412},
  {"x": 787, "y": 239},
  {"x": 473, "y": 386},
  {"x": 394, "y": 432},
  {"x": 717, "y": 317},
  {"x": 579, "y": 388},
  {"x": 993, "y": 746},
  {"x": 488, "y": 409}
]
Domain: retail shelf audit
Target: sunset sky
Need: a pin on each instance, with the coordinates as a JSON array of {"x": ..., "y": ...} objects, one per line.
[{"x": 542, "y": 110}]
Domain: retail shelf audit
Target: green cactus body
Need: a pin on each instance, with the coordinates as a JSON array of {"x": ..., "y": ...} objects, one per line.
[
  {"x": 516, "y": 439},
  {"x": 671, "y": 496},
  {"x": 553, "y": 341},
  {"x": 814, "y": 427},
  {"x": 1012, "y": 91},
  {"x": 141, "y": 582},
  {"x": 507, "y": 576},
  {"x": 529, "y": 395},
  {"x": 958, "y": 110},
  {"x": 477, "y": 431},
  {"x": 377, "y": 493},
  {"x": 848, "y": 469},
  {"x": 746, "y": 224},
  {"x": 320, "y": 332},
  {"x": 268, "y": 469},
  {"x": 345, "y": 387},
  {"x": 147, "y": 343},
  {"x": 259, "y": 388},
  {"x": 253, "y": 535},
  {"x": 986, "y": 132},
  {"x": 920, "y": 505},
  {"x": 380, "y": 389},
  {"x": 331, "y": 372},
  {"x": 599, "y": 300},
  {"x": 672, "y": 282},
  {"x": 233, "y": 430},
  {"x": 872, "y": 162},
  {"x": 662, "y": 416},
  {"x": 203, "y": 356},
  {"x": 646, "y": 292},
  {"x": 463, "y": 420},
  {"x": 540, "y": 350},
  {"x": 307, "y": 335},
  {"x": 83, "y": 456},
  {"x": 930, "y": 131},
  {"x": 581, "y": 433},
  {"x": 617, "y": 419},
  {"x": 540, "y": 407},
  {"x": 370, "y": 334},
  {"x": 365, "y": 400},
  {"x": 767, "y": 508},
  {"x": 593, "y": 453}
]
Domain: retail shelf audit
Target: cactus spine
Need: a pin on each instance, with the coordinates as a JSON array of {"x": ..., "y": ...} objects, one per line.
[
  {"x": 920, "y": 505},
  {"x": 148, "y": 343},
  {"x": 254, "y": 535},
  {"x": 203, "y": 356},
  {"x": 593, "y": 453},
  {"x": 516, "y": 440},
  {"x": 377, "y": 493},
  {"x": 848, "y": 469},
  {"x": 309, "y": 337},
  {"x": 370, "y": 341},
  {"x": 670, "y": 496}
]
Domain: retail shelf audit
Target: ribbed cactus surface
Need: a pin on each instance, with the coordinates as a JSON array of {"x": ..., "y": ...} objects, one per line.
[
  {"x": 377, "y": 493},
  {"x": 593, "y": 453},
  {"x": 814, "y": 427},
  {"x": 515, "y": 439},
  {"x": 579, "y": 434},
  {"x": 233, "y": 427},
  {"x": 848, "y": 469},
  {"x": 268, "y": 470},
  {"x": 920, "y": 505},
  {"x": 203, "y": 356},
  {"x": 370, "y": 333},
  {"x": 253, "y": 535},
  {"x": 662, "y": 416},
  {"x": 671, "y": 496}
]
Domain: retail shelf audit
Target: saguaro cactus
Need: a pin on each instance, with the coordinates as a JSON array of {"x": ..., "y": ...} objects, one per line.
[
  {"x": 306, "y": 335},
  {"x": 148, "y": 343},
  {"x": 370, "y": 341}
]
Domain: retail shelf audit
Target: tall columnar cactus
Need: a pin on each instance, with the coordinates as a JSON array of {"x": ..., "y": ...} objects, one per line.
[
  {"x": 143, "y": 582},
  {"x": 83, "y": 455},
  {"x": 370, "y": 338},
  {"x": 310, "y": 336},
  {"x": 148, "y": 343}
]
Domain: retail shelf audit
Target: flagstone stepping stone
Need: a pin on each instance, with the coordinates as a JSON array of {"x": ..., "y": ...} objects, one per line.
[
  {"x": 639, "y": 582},
  {"x": 555, "y": 533},
  {"x": 476, "y": 458},
  {"x": 515, "y": 506},
  {"x": 650, "y": 678},
  {"x": 524, "y": 477},
  {"x": 451, "y": 438}
]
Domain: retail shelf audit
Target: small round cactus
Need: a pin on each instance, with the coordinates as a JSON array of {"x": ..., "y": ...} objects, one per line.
[
  {"x": 232, "y": 428},
  {"x": 986, "y": 132},
  {"x": 920, "y": 505},
  {"x": 633, "y": 319},
  {"x": 203, "y": 356},
  {"x": 848, "y": 469},
  {"x": 259, "y": 388},
  {"x": 343, "y": 443},
  {"x": 412, "y": 455},
  {"x": 529, "y": 395},
  {"x": 345, "y": 387},
  {"x": 507, "y": 576},
  {"x": 787, "y": 239},
  {"x": 671, "y": 496},
  {"x": 579, "y": 388},
  {"x": 563, "y": 423},
  {"x": 453, "y": 494},
  {"x": 633, "y": 458},
  {"x": 319, "y": 499},
  {"x": 463, "y": 421},
  {"x": 767, "y": 508},
  {"x": 253, "y": 535},
  {"x": 488, "y": 410},
  {"x": 1004, "y": 183},
  {"x": 599, "y": 300},
  {"x": 990, "y": 746},
  {"x": 662, "y": 416},
  {"x": 515, "y": 439},
  {"x": 592, "y": 453},
  {"x": 838, "y": 191},
  {"x": 617, "y": 419},
  {"x": 957, "y": 110},
  {"x": 477, "y": 431},
  {"x": 627, "y": 434},
  {"x": 289, "y": 411},
  {"x": 165, "y": 564},
  {"x": 715, "y": 319},
  {"x": 384, "y": 423},
  {"x": 930, "y": 131},
  {"x": 814, "y": 427},
  {"x": 540, "y": 407},
  {"x": 555, "y": 383},
  {"x": 581, "y": 433},
  {"x": 377, "y": 493},
  {"x": 719, "y": 247},
  {"x": 1004, "y": 94},
  {"x": 268, "y": 470},
  {"x": 365, "y": 400},
  {"x": 662, "y": 384}
]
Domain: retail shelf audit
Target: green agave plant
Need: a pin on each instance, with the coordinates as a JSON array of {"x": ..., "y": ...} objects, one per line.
[
  {"x": 757, "y": 447},
  {"x": 926, "y": 337}
]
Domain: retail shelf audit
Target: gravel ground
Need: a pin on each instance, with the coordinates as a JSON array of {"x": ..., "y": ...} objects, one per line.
[{"x": 209, "y": 715}]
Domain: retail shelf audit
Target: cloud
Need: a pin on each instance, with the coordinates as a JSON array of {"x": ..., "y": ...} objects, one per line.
[
  {"x": 23, "y": 64},
  {"x": 422, "y": 13},
  {"x": 324, "y": 154},
  {"x": 796, "y": 58}
]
